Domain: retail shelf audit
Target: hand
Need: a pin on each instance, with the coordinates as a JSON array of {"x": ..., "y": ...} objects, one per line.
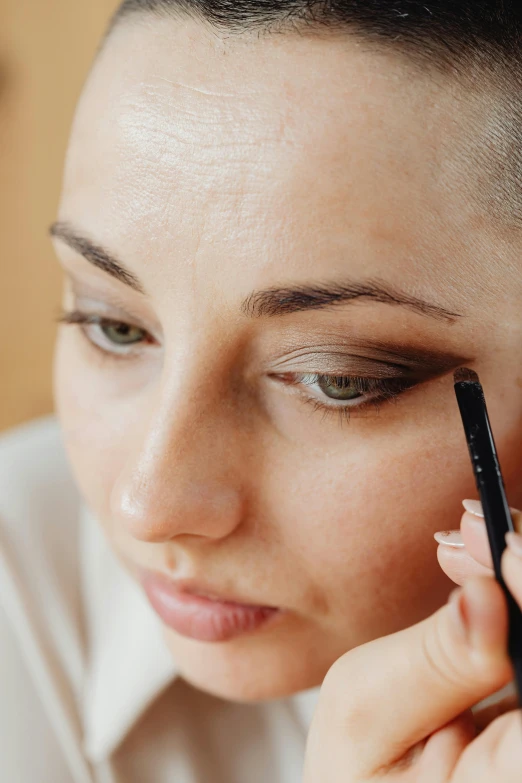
[
  {"x": 399, "y": 708},
  {"x": 465, "y": 553}
]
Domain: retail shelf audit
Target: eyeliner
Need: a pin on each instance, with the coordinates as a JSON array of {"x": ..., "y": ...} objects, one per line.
[{"x": 490, "y": 485}]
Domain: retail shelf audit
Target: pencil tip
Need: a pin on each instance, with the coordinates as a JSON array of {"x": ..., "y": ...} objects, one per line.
[{"x": 465, "y": 375}]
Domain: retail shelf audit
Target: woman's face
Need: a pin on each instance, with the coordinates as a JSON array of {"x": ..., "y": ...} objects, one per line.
[{"x": 307, "y": 263}]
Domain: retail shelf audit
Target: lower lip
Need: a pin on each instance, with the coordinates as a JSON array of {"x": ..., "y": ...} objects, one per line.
[{"x": 204, "y": 619}]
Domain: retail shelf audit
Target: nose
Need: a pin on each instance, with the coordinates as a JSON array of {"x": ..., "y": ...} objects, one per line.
[{"x": 183, "y": 476}]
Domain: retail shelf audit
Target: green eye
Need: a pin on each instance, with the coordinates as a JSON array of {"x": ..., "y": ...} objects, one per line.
[
  {"x": 339, "y": 387},
  {"x": 121, "y": 333}
]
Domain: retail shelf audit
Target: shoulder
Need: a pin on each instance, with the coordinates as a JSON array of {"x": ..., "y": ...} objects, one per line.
[
  {"x": 39, "y": 508},
  {"x": 39, "y": 502},
  {"x": 39, "y": 522},
  {"x": 39, "y": 599},
  {"x": 35, "y": 478},
  {"x": 38, "y": 498},
  {"x": 28, "y": 743}
]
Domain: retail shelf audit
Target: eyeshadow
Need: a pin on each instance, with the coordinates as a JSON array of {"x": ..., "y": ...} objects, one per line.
[
  {"x": 411, "y": 357},
  {"x": 375, "y": 358}
]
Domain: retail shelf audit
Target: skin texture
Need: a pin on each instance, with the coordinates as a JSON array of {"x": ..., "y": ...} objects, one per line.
[
  {"x": 450, "y": 661},
  {"x": 212, "y": 169}
]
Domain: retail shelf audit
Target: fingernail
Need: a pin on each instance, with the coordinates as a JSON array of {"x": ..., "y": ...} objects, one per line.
[
  {"x": 451, "y": 538},
  {"x": 474, "y": 507},
  {"x": 514, "y": 542}
]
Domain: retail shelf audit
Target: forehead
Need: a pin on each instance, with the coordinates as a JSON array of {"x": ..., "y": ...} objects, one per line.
[{"x": 270, "y": 152}]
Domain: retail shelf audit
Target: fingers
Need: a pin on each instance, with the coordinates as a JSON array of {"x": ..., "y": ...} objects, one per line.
[
  {"x": 465, "y": 553},
  {"x": 495, "y": 755},
  {"x": 444, "y": 748},
  {"x": 386, "y": 696},
  {"x": 512, "y": 566},
  {"x": 475, "y": 537},
  {"x": 459, "y": 565},
  {"x": 483, "y": 716}
]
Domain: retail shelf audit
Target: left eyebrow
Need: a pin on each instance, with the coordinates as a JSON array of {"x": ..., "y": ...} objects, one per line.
[{"x": 282, "y": 301}]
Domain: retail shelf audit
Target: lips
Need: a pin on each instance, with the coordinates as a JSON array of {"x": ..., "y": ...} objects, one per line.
[{"x": 198, "y": 614}]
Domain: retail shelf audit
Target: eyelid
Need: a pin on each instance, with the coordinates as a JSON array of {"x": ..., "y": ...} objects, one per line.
[
  {"x": 104, "y": 301},
  {"x": 366, "y": 385},
  {"x": 103, "y": 310},
  {"x": 377, "y": 393},
  {"x": 349, "y": 354},
  {"x": 90, "y": 327},
  {"x": 106, "y": 346},
  {"x": 337, "y": 364}
]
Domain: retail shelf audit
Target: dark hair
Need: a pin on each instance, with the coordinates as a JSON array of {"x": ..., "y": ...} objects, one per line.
[
  {"x": 477, "y": 41},
  {"x": 453, "y": 29}
]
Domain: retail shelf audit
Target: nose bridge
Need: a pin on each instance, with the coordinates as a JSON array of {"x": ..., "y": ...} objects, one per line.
[{"x": 183, "y": 474}]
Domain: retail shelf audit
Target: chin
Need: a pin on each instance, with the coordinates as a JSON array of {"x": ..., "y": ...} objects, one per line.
[{"x": 249, "y": 669}]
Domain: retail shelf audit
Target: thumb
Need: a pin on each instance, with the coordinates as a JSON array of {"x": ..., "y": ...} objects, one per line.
[{"x": 403, "y": 687}]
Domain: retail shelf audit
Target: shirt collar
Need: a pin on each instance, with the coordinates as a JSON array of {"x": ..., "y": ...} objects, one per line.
[
  {"x": 128, "y": 663},
  {"x": 304, "y": 704}
]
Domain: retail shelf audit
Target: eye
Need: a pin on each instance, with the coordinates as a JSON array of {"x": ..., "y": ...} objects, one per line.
[
  {"x": 344, "y": 394},
  {"x": 118, "y": 339},
  {"x": 339, "y": 387},
  {"x": 121, "y": 333}
]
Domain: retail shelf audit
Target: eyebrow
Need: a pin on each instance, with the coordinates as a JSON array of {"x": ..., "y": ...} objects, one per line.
[
  {"x": 95, "y": 254},
  {"x": 271, "y": 302},
  {"x": 280, "y": 301}
]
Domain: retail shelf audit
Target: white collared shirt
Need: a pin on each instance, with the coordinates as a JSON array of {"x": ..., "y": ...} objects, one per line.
[{"x": 89, "y": 691}]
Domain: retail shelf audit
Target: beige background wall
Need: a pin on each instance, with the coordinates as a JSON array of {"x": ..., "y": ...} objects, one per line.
[{"x": 46, "y": 47}]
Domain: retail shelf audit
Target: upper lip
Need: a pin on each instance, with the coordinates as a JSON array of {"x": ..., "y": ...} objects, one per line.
[{"x": 201, "y": 590}]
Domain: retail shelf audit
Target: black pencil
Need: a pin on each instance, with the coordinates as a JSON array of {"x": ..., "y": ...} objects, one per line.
[{"x": 490, "y": 485}]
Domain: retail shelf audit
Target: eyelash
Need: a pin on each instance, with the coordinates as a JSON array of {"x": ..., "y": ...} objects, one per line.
[
  {"x": 85, "y": 320},
  {"x": 381, "y": 389}
]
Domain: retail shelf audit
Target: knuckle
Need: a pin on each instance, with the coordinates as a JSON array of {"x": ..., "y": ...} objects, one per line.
[
  {"x": 496, "y": 754},
  {"x": 343, "y": 670},
  {"x": 344, "y": 690},
  {"x": 445, "y": 662}
]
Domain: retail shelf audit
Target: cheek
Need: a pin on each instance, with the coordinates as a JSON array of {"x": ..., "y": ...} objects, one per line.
[
  {"x": 367, "y": 518},
  {"x": 507, "y": 426},
  {"x": 97, "y": 427}
]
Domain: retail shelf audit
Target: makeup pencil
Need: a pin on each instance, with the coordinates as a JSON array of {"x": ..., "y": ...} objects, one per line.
[{"x": 490, "y": 485}]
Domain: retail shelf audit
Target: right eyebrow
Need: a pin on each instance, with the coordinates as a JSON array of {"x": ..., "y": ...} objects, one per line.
[{"x": 95, "y": 254}]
